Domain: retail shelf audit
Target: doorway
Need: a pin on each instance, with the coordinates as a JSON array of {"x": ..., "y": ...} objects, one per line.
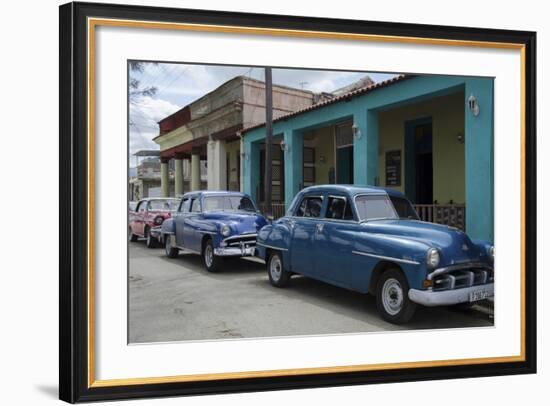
[
  {"x": 344, "y": 153},
  {"x": 419, "y": 161}
]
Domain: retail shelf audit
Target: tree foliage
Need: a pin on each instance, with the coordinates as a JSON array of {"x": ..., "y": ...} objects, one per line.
[{"x": 135, "y": 89}]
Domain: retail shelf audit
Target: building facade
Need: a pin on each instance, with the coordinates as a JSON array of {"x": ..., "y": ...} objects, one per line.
[
  {"x": 207, "y": 132},
  {"x": 430, "y": 137}
]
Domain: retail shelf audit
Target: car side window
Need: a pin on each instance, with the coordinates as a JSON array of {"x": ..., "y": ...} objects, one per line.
[
  {"x": 339, "y": 208},
  {"x": 195, "y": 205},
  {"x": 185, "y": 205},
  {"x": 310, "y": 206}
]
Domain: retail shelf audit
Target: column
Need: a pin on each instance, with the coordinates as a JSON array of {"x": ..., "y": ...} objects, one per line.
[
  {"x": 250, "y": 162},
  {"x": 217, "y": 163},
  {"x": 478, "y": 154},
  {"x": 365, "y": 148},
  {"x": 164, "y": 177},
  {"x": 178, "y": 178},
  {"x": 195, "y": 171},
  {"x": 294, "y": 164}
]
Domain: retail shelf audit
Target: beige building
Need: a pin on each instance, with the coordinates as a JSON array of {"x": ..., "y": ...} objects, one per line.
[{"x": 208, "y": 131}]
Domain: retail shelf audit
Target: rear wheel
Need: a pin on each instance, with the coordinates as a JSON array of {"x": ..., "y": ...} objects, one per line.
[
  {"x": 131, "y": 236},
  {"x": 278, "y": 277},
  {"x": 212, "y": 262},
  {"x": 171, "y": 252},
  {"x": 392, "y": 298}
]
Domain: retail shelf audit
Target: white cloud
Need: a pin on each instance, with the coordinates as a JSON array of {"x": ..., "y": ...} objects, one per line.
[{"x": 145, "y": 113}]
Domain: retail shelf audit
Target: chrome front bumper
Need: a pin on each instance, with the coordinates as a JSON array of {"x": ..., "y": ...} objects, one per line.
[
  {"x": 156, "y": 232},
  {"x": 449, "y": 297},
  {"x": 235, "y": 251}
]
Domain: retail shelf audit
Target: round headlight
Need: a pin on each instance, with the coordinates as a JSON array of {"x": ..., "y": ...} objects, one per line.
[
  {"x": 491, "y": 252},
  {"x": 226, "y": 230},
  {"x": 432, "y": 258},
  {"x": 158, "y": 220}
]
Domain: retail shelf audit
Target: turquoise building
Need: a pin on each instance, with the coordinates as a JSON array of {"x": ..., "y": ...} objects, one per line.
[{"x": 428, "y": 136}]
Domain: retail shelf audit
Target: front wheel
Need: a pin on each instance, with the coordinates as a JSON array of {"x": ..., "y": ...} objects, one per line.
[
  {"x": 211, "y": 262},
  {"x": 171, "y": 251},
  {"x": 151, "y": 241},
  {"x": 278, "y": 277},
  {"x": 392, "y": 299}
]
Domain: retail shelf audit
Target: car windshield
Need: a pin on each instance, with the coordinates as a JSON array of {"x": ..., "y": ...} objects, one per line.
[
  {"x": 404, "y": 208},
  {"x": 228, "y": 203},
  {"x": 163, "y": 205},
  {"x": 375, "y": 207}
]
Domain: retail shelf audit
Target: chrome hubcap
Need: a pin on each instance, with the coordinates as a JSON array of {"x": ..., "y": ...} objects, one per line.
[
  {"x": 208, "y": 255},
  {"x": 275, "y": 268},
  {"x": 392, "y": 296}
]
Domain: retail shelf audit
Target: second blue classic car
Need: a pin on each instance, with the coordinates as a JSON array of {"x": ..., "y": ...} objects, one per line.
[
  {"x": 370, "y": 240},
  {"x": 215, "y": 225}
]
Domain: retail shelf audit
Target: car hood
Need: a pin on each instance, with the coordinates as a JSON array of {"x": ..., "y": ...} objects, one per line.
[
  {"x": 240, "y": 222},
  {"x": 454, "y": 245}
]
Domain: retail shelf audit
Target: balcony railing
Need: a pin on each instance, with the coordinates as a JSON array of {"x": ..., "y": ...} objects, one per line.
[{"x": 451, "y": 215}]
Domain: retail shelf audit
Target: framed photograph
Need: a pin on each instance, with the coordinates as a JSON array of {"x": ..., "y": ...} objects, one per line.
[{"x": 387, "y": 235}]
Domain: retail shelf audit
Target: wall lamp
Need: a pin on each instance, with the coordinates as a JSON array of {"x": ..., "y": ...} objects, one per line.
[
  {"x": 473, "y": 105},
  {"x": 356, "y": 132},
  {"x": 244, "y": 156},
  {"x": 284, "y": 146}
]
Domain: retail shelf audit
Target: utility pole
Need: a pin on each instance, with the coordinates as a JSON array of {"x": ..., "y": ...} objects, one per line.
[{"x": 268, "y": 141}]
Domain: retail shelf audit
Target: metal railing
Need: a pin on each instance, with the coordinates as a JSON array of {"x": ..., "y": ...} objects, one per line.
[
  {"x": 451, "y": 214},
  {"x": 277, "y": 209}
]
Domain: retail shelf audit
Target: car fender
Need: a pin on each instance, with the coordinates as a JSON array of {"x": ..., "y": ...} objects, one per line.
[
  {"x": 168, "y": 226},
  {"x": 378, "y": 250},
  {"x": 276, "y": 236}
]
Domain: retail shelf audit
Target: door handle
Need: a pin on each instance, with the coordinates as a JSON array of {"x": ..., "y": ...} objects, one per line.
[
  {"x": 291, "y": 223},
  {"x": 320, "y": 227}
]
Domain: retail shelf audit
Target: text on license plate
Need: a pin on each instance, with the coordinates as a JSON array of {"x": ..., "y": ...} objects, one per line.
[{"x": 479, "y": 295}]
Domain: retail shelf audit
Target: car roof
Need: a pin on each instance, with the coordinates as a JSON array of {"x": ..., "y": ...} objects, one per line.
[
  {"x": 352, "y": 190},
  {"x": 159, "y": 198},
  {"x": 214, "y": 193}
]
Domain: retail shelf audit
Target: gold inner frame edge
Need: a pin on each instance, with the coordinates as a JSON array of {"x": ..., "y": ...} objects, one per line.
[{"x": 93, "y": 22}]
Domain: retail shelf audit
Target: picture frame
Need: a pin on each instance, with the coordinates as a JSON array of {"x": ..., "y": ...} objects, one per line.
[{"x": 77, "y": 285}]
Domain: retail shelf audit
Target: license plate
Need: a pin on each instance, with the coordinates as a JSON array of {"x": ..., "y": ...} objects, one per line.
[{"x": 478, "y": 295}]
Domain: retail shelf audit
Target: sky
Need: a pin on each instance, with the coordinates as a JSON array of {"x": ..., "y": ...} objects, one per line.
[{"x": 180, "y": 84}]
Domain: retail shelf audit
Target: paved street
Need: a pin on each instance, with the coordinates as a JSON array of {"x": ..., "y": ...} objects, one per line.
[{"x": 176, "y": 299}]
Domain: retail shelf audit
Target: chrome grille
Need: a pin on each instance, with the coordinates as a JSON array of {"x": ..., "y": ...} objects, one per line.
[
  {"x": 245, "y": 240},
  {"x": 462, "y": 278}
]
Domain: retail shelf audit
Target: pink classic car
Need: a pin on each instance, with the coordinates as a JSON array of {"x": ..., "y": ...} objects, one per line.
[{"x": 147, "y": 217}]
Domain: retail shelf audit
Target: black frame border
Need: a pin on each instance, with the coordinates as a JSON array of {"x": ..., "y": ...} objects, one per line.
[{"x": 73, "y": 194}]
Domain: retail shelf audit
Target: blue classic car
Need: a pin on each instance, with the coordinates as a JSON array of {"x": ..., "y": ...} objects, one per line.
[
  {"x": 370, "y": 240},
  {"x": 215, "y": 225}
]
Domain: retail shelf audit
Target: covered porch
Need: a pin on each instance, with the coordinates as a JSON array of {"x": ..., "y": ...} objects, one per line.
[{"x": 420, "y": 135}]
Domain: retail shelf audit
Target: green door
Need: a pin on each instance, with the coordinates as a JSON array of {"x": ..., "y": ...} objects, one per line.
[{"x": 344, "y": 165}]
